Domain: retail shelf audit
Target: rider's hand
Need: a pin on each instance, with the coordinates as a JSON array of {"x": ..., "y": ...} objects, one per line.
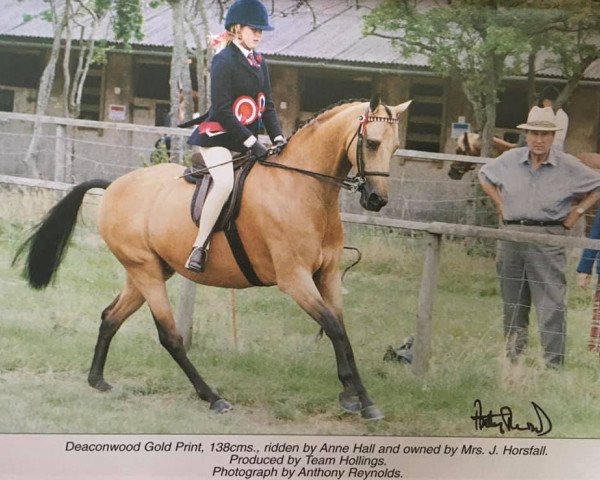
[
  {"x": 259, "y": 150},
  {"x": 278, "y": 145}
]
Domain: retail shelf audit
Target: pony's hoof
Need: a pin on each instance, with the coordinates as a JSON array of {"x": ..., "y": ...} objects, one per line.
[
  {"x": 372, "y": 412},
  {"x": 349, "y": 403},
  {"x": 101, "y": 385},
  {"x": 221, "y": 406}
]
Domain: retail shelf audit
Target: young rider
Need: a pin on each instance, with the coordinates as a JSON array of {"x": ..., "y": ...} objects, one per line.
[{"x": 241, "y": 104}]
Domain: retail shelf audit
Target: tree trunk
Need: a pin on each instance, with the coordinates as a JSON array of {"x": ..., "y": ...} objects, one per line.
[
  {"x": 531, "y": 94},
  {"x": 44, "y": 91},
  {"x": 203, "y": 55},
  {"x": 180, "y": 81},
  {"x": 572, "y": 83}
]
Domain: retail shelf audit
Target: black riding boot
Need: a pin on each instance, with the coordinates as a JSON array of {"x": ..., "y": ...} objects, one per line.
[{"x": 197, "y": 260}]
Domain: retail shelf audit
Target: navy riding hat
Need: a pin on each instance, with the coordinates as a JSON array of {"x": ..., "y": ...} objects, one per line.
[{"x": 248, "y": 12}]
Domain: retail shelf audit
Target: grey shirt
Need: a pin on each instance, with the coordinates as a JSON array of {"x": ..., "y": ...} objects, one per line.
[{"x": 545, "y": 194}]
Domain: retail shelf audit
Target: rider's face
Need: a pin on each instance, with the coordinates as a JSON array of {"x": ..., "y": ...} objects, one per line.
[{"x": 250, "y": 37}]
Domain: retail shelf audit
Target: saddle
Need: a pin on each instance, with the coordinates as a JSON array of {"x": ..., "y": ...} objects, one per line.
[{"x": 198, "y": 174}]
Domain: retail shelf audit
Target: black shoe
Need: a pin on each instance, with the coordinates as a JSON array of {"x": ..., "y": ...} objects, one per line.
[{"x": 197, "y": 260}]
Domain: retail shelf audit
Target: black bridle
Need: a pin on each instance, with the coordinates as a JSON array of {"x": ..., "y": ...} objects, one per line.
[{"x": 357, "y": 182}]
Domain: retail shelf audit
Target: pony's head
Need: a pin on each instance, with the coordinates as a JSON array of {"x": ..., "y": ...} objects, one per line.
[
  {"x": 371, "y": 149},
  {"x": 467, "y": 144}
]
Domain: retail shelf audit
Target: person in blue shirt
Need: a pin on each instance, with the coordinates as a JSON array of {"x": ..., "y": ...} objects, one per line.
[
  {"x": 534, "y": 189},
  {"x": 584, "y": 277},
  {"x": 241, "y": 105}
]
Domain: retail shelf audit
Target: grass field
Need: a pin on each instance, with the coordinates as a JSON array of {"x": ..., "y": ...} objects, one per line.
[{"x": 280, "y": 379}]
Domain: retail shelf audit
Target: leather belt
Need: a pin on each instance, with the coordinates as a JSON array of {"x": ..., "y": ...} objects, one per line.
[{"x": 534, "y": 223}]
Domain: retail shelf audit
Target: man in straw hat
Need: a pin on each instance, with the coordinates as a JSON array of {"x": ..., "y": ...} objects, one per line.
[{"x": 539, "y": 189}]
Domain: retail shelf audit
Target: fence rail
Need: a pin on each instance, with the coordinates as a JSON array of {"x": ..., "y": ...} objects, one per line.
[
  {"x": 73, "y": 122},
  {"x": 434, "y": 231},
  {"x": 73, "y": 150}
]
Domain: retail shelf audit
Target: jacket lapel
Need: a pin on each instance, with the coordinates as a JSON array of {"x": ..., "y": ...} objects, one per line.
[{"x": 239, "y": 56}]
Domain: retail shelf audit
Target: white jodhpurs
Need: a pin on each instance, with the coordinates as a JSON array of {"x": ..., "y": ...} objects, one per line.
[{"x": 218, "y": 161}]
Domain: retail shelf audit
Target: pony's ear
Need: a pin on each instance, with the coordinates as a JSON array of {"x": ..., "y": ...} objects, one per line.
[
  {"x": 402, "y": 107},
  {"x": 375, "y": 101}
]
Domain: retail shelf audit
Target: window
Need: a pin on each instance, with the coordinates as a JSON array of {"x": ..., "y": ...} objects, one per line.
[
  {"x": 162, "y": 116},
  {"x": 152, "y": 81},
  {"x": 7, "y": 101},
  {"x": 319, "y": 92},
  {"x": 512, "y": 108},
  {"x": 20, "y": 69},
  {"x": 425, "y": 117},
  {"x": 91, "y": 98}
]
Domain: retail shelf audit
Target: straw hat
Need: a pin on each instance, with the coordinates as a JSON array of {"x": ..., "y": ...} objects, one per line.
[{"x": 541, "y": 119}]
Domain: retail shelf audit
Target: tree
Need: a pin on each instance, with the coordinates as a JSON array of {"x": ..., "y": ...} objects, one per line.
[
  {"x": 466, "y": 40},
  {"x": 481, "y": 42},
  {"x": 85, "y": 16},
  {"x": 58, "y": 19},
  {"x": 572, "y": 41}
]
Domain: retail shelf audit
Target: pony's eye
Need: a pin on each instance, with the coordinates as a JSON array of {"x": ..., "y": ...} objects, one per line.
[{"x": 373, "y": 145}]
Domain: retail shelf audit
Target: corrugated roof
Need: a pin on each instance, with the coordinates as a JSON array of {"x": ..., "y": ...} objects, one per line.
[{"x": 335, "y": 37}]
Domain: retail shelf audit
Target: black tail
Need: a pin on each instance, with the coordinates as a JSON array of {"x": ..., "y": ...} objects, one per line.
[{"x": 48, "y": 243}]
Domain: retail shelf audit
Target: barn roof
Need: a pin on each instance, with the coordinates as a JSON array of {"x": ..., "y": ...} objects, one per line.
[{"x": 335, "y": 37}]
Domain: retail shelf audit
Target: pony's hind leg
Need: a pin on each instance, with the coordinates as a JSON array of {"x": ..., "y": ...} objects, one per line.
[
  {"x": 113, "y": 316},
  {"x": 154, "y": 290}
]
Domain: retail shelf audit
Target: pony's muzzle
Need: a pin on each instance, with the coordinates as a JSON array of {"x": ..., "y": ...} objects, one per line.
[
  {"x": 457, "y": 170},
  {"x": 371, "y": 200}
]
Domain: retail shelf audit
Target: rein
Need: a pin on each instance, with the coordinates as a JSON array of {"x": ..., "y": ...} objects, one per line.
[
  {"x": 346, "y": 183},
  {"x": 351, "y": 184}
]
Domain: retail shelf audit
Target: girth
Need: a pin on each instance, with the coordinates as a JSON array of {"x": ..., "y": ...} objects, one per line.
[{"x": 199, "y": 175}]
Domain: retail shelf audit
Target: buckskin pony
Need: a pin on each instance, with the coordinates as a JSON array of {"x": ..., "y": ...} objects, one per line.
[{"x": 289, "y": 223}]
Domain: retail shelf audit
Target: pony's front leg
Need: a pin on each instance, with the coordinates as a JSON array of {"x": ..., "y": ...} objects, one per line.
[
  {"x": 303, "y": 289},
  {"x": 328, "y": 282}
]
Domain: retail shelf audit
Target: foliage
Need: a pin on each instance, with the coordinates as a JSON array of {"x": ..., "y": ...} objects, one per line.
[
  {"x": 481, "y": 42},
  {"x": 467, "y": 40},
  {"x": 160, "y": 154},
  {"x": 128, "y": 20}
]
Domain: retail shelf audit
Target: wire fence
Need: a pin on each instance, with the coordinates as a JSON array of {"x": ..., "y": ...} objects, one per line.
[
  {"x": 72, "y": 151},
  {"x": 422, "y": 198}
]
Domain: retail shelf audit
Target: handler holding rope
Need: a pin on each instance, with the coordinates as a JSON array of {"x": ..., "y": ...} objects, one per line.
[{"x": 240, "y": 103}]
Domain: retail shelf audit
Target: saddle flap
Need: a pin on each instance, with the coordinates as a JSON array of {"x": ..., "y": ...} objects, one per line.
[{"x": 242, "y": 167}]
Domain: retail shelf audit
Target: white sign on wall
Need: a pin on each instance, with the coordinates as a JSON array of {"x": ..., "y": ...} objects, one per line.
[
  {"x": 117, "y": 113},
  {"x": 458, "y": 128}
]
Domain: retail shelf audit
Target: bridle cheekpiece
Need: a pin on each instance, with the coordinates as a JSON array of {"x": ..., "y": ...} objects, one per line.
[{"x": 357, "y": 182}]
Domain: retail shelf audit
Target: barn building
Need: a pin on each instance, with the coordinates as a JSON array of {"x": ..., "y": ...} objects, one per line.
[{"x": 313, "y": 63}]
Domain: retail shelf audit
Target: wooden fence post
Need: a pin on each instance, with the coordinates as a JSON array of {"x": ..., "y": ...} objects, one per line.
[
  {"x": 234, "y": 318},
  {"x": 60, "y": 154},
  {"x": 185, "y": 310},
  {"x": 187, "y": 288},
  {"x": 422, "y": 345}
]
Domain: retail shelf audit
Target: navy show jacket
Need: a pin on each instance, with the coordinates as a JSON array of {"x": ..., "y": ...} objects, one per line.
[{"x": 241, "y": 102}]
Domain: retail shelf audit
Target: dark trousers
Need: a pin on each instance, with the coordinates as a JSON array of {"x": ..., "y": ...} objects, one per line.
[{"x": 534, "y": 273}]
